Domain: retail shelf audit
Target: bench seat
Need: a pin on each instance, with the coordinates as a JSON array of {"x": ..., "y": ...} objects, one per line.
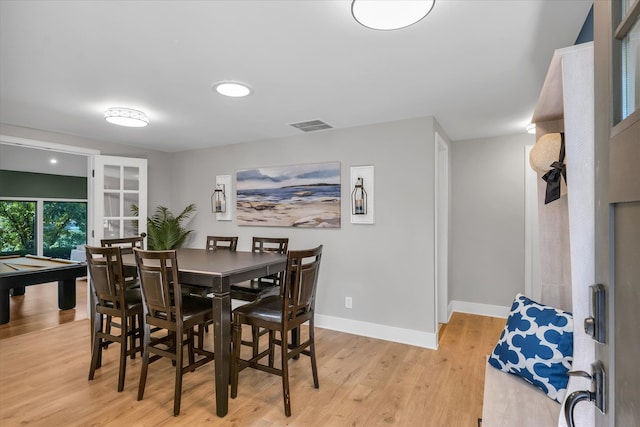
[{"x": 510, "y": 401}]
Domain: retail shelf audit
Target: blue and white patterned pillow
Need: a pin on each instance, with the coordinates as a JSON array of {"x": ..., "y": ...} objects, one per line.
[{"x": 537, "y": 345}]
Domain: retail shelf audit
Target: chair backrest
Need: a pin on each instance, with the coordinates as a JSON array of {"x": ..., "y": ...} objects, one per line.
[
  {"x": 270, "y": 244},
  {"x": 125, "y": 243},
  {"x": 221, "y": 242},
  {"x": 107, "y": 278},
  {"x": 301, "y": 280},
  {"x": 158, "y": 272}
]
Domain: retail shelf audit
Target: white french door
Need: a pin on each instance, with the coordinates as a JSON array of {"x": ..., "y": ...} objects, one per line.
[{"x": 120, "y": 197}]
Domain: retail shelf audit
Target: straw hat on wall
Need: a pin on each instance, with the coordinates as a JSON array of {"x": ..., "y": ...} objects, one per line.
[
  {"x": 547, "y": 158},
  {"x": 545, "y": 152}
]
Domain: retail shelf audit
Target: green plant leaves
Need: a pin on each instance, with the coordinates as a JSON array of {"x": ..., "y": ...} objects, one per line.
[{"x": 165, "y": 231}]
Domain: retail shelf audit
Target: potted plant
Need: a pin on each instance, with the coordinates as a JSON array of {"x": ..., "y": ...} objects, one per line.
[{"x": 165, "y": 230}]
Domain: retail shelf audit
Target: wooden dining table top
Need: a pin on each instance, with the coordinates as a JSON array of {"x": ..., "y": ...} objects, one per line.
[{"x": 222, "y": 262}]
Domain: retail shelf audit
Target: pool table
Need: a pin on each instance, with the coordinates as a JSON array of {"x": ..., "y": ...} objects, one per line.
[{"x": 16, "y": 272}]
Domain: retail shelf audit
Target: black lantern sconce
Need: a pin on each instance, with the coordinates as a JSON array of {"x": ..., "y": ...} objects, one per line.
[
  {"x": 359, "y": 198},
  {"x": 218, "y": 199}
]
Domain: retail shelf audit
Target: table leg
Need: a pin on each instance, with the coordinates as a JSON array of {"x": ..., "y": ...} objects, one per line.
[
  {"x": 4, "y": 306},
  {"x": 222, "y": 348},
  {"x": 66, "y": 294}
]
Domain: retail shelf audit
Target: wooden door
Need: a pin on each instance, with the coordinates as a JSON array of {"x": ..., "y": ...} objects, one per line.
[{"x": 617, "y": 63}]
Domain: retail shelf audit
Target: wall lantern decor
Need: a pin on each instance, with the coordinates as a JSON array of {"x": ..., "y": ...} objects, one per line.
[
  {"x": 218, "y": 199},
  {"x": 359, "y": 198},
  {"x": 221, "y": 198},
  {"x": 362, "y": 195}
]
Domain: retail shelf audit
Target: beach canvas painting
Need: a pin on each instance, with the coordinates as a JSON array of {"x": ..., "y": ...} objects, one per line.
[{"x": 290, "y": 196}]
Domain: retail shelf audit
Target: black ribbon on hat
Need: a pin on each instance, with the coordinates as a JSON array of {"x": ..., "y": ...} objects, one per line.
[{"x": 553, "y": 177}]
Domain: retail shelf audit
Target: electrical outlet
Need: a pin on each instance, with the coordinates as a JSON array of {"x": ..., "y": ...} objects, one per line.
[{"x": 348, "y": 302}]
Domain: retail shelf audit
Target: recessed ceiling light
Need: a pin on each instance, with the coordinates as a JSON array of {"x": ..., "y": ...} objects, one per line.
[
  {"x": 232, "y": 89},
  {"x": 53, "y": 161},
  {"x": 126, "y": 117},
  {"x": 390, "y": 14}
]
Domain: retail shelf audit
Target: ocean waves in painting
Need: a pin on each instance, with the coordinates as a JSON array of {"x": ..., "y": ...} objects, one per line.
[
  {"x": 315, "y": 205},
  {"x": 290, "y": 196},
  {"x": 294, "y": 194}
]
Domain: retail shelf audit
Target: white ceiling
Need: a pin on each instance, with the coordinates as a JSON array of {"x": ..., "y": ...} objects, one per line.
[{"x": 476, "y": 66}]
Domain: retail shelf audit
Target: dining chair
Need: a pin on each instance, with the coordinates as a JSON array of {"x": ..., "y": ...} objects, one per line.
[
  {"x": 126, "y": 245},
  {"x": 255, "y": 288},
  {"x": 213, "y": 243},
  {"x": 166, "y": 307},
  {"x": 221, "y": 242},
  {"x": 250, "y": 290},
  {"x": 280, "y": 314},
  {"x": 111, "y": 298}
]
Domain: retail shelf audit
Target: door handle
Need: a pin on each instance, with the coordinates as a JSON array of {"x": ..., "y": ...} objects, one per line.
[
  {"x": 598, "y": 382},
  {"x": 595, "y": 326}
]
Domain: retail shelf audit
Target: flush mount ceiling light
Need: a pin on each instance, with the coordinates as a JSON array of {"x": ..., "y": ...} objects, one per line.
[
  {"x": 126, "y": 117},
  {"x": 390, "y": 14},
  {"x": 531, "y": 128},
  {"x": 232, "y": 89}
]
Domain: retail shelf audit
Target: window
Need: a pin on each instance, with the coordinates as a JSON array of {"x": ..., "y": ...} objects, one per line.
[
  {"x": 42, "y": 227},
  {"x": 18, "y": 227},
  {"x": 64, "y": 227},
  {"x": 628, "y": 34}
]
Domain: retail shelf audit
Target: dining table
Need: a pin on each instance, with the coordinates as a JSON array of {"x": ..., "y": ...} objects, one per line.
[{"x": 219, "y": 270}]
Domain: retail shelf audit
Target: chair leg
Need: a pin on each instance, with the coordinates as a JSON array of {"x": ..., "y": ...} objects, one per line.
[
  {"x": 284, "y": 356},
  {"x": 145, "y": 363},
  {"x": 312, "y": 351},
  {"x": 107, "y": 330},
  {"x": 96, "y": 350},
  {"x": 173, "y": 345},
  {"x": 272, "y": 349},
  {"x": 177, "y": 395},
  {"x": 132, "y": 333},
  {"x": 255, "y": 332},
  {"x": 201, "y": 330},
  {"x": 123, "y": 351},
  {"x": 141, "y": 333},
  {"x": 235, "y": 372},
  {"x": 295, "y": 340},
  {"x": 190, "y": 345}
]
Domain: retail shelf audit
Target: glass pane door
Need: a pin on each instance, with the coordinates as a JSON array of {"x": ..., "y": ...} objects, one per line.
[{"x": 120, "y": 192}]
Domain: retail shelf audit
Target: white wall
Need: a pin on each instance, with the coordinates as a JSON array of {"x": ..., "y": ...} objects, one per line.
[
  {"x": 387, "y": 267},
  {"x": 487, "y": 231}
]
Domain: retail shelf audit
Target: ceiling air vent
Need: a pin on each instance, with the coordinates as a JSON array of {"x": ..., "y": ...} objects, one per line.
[{"x": 311, "y": 125}]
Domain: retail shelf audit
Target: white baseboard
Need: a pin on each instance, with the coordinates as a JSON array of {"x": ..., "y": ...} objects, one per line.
[
  {"x": 406, "y": 336},
  {"x": 383, "y": 332},
  {"x": 479, "y": 309}
]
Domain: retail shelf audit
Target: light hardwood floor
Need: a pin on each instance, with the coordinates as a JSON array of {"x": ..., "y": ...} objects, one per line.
[
  {"x": 38, "y": 309},
  {"x": 44, "y": 363}
]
